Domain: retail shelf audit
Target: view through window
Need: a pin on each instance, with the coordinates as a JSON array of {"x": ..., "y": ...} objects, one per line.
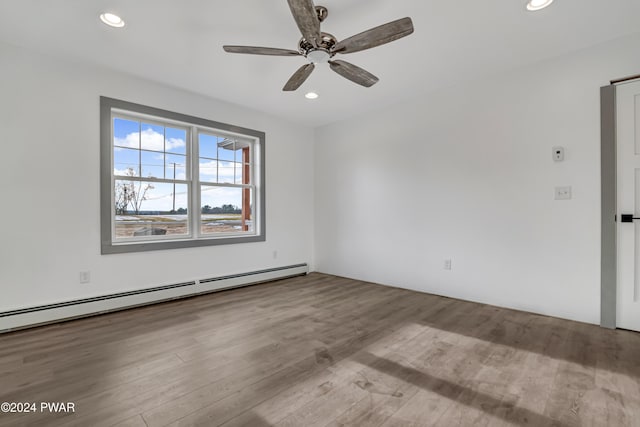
[{"x": 175, "y": 179}]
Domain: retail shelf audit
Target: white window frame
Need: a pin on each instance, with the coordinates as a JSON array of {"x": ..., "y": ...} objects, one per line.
[
  {"x": 197, "y": 201},
  {"x": 113, "y": 108}
]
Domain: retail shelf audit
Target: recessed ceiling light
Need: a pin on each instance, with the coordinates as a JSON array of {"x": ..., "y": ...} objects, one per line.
[
  {"x": 112, "y": 20},
  {"x": 538, "y": 4},
  {"x": 311, "y": 95}
]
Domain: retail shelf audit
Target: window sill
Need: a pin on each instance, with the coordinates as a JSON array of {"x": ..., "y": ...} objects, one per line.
[{"x": 127, "y": 247}]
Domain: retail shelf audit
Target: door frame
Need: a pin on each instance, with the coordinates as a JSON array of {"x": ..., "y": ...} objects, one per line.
[{"x": 608, "y": 175}]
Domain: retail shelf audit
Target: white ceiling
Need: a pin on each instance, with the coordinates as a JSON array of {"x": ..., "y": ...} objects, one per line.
[{"x": 180, "y": 43}]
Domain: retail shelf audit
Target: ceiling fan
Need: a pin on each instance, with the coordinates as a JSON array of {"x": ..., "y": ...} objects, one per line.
[{"x": 319, "y": 47}]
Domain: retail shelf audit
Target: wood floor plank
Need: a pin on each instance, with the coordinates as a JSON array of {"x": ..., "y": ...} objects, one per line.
[
  {"x": 293, "y": 398},
  {"x": 135, "y": 421},
  {"x": 323, "y": 350}
]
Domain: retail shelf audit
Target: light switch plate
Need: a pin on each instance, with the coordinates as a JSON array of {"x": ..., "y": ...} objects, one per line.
[{"x": 563, "y": 193}]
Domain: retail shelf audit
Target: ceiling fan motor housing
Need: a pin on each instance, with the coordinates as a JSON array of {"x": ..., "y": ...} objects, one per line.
[{"x": 320, "y": 54}]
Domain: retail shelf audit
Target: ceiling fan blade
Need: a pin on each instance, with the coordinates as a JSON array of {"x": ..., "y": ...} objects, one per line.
[
  {"x": 353, "y": 73},
  {"x": 375, "y": 36},
  {"x": 304, "y": 13},
  {"x": 299, "y": 77},
  {"x": 254, "y": 50}
]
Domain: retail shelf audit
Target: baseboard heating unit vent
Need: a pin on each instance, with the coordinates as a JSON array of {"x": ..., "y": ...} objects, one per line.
[{"x": 43, "y": 314}]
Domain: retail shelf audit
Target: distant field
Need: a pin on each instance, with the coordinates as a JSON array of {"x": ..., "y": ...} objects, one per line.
[{"x": 126, "y": 225}]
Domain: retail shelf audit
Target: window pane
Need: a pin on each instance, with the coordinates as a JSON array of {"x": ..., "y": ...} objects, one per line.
[
  {"x": 208, "y": 146},
  {"x": 126, "y": 161},
  {"x": 147, "y": 209},
  {"x": 226, "y": 172},
  {"x": 225, "y": 150},
  {"x": 239, "y": 168},
  {"x": 176, "y": 167},
  {"x": 222, "y": 164},
  {"x": 222, "y": 210},
  {"x": 152, "y": 164},
  {"x": 152, "y": 137},
  {"x": 176, "y": 141},
  {"x": 126, "y": 133},
  {"x": 208, "y": 170}
]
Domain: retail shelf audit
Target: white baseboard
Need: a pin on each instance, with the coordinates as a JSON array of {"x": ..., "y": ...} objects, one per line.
[{"x": 39, "y": 315}]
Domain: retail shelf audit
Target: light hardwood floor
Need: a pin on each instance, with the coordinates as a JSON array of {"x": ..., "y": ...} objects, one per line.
[{"x": 326, "y": 351}]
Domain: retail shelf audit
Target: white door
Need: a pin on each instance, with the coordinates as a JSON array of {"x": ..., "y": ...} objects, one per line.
[{"x": 628, "y": 194}]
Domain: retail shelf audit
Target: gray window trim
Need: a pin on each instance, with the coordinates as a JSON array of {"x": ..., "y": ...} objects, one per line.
[
  {"x": 107, "y": 246},
  {"x": 608, "y": 255}
]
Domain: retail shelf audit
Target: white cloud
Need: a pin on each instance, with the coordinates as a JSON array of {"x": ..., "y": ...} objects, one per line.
[
  {"x": 124, "y": 172},
  {"x": 180, "y": 172},
  {"x": 209, "y": 170},
  {"x": 150, "y": 140},
  {"x": 173, "y": 143},
  {"x": 218, "y": 196}
]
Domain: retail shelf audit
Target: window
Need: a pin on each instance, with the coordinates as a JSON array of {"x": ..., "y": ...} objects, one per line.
[{"x": 171, "y": 181}]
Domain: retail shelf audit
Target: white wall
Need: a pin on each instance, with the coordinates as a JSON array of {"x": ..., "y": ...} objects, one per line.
[
  {"x": 466, "y": 173},
  {"x": 49, "y": 180}
]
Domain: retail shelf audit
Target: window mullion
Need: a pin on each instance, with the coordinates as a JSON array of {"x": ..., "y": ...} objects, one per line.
[
  {"x": 195, "y": 216},
  {"x": 139, "y": 172},
  {"x": 164, "y": 156}
]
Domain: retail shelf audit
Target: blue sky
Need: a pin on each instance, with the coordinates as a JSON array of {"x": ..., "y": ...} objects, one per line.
[{"x": 152, "y": 150}]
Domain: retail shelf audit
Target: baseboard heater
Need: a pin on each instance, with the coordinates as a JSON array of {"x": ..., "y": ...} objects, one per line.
[{"x": 43, "y": 314}]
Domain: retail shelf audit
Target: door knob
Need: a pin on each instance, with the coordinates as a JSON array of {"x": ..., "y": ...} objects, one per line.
[{"x": 627, "y": 218}]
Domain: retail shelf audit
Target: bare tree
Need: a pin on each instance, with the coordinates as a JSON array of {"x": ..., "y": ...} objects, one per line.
[
  {"x": 131, "y": 193},
  {"x": 123, "y": 193}
]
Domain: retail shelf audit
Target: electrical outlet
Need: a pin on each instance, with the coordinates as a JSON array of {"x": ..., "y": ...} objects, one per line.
[
  {"x": 558, "y": 154},
  {"x": 447, "y": 264},
  {"x": 275, "y": 254},
  {"x": 563, "y": 193},
  {"x": 85, "y": 277}
]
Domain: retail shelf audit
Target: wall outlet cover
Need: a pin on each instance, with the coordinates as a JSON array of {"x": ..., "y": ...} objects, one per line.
[
  {"x": 85, "y": 277},
  {"x": 558, "y": 154},
  {"x": 563, "y": 193}
]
